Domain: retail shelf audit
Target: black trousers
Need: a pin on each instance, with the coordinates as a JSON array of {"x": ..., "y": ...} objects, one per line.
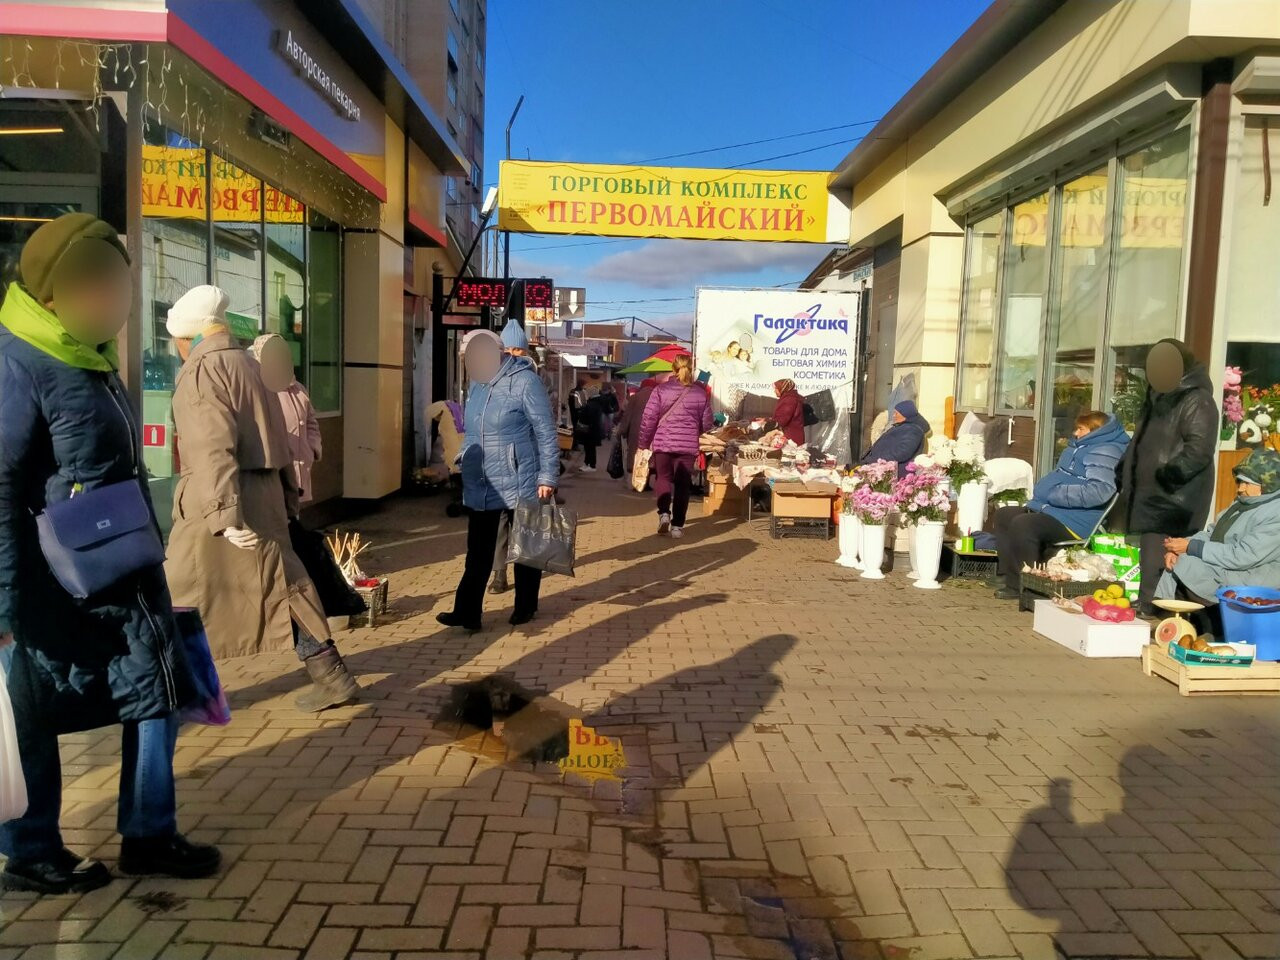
[
  {"x": 589, "y": 453},
  {"x": 1024, "y": 536},
  {"x": 482, "y": 538},
  {"x": 503, "y": 545},
  {"x": 1151, "y": 566}
]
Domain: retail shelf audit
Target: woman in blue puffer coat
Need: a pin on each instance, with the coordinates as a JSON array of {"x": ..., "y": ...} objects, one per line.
[
  {"x": 1067, "y": 503},
  {"x": 115, "y": 657},
  {"x": 511, "y": 453}
]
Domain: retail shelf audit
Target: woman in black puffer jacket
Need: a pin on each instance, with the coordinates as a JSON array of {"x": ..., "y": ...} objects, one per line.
[
  {"x": 1165, "y": 479},
  {"x": 116, "y": 657}
]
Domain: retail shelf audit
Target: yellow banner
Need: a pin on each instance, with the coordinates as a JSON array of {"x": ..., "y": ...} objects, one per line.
[
  {"x": 173, "y": 185},
  {"x": 697, "y": 204},
  {"x": 1154, "y": 211}
]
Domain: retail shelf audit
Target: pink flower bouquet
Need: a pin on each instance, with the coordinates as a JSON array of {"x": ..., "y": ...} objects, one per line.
[{"x": 921, "y": 495}]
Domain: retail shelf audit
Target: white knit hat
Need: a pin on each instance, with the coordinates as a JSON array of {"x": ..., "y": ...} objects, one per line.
[{"x": 197, "y": 310}]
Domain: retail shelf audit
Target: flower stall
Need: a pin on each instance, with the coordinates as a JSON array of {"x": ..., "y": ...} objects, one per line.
[
  {"x": 874, "y": 504},
  {"x": 922, "y": 498}
]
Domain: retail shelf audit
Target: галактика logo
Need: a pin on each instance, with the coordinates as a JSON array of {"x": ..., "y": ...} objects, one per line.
[{"x": 803, "y": 323}]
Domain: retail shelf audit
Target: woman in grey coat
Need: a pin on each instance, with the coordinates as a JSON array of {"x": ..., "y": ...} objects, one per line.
[{"x": 1241, "y": 549}]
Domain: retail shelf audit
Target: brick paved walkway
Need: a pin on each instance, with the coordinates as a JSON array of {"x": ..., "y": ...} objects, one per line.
[{"x": 818, "y": 767}]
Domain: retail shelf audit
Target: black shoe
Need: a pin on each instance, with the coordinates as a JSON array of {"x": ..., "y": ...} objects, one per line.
[
  {"x": 453, "y": 620},
  {"x": 1008, "y": 593},
  {"x": 499, "y": 584},
  {"x": 521, "y": 616},
  {"x": 174, "y": 856},
  {"x": 64, "y": 872}
]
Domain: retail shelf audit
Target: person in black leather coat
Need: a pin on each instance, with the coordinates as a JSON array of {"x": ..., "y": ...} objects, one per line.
[{"x": 1165, "y": 479}]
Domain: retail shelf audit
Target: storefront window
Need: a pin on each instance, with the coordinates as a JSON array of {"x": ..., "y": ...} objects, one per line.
[
  {"x": 237, "y": 245},
  {"x": 324, "y": 314},
  {"x": 977, "y": 334},
  {"x": 1253, "y": 290},
  {"x": 175, "y": 258},
  {"x": 1147, "y": 287},
  {"x": 1026, "y": 273},
  {"x": 1083, "y": 242},
  {"x": 286, "y": 233}
]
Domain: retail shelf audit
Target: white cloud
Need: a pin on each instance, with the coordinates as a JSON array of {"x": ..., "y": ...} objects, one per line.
[{"x": 674, "y": 264}]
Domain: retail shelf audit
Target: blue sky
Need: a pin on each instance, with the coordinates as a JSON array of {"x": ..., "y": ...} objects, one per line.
[{"x": 607, "y": 81}]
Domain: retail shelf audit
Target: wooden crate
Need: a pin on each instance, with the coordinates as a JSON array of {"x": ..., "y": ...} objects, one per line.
[
  {"x": 807, "y": 501},
  {"x": 1260, "y": 677}
]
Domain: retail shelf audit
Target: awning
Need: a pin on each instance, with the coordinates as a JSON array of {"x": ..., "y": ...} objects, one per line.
[{"x": 576, "y": 360}]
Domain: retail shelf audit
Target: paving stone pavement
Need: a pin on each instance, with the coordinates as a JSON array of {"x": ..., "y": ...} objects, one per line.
[{"x": 818, "y": 767}]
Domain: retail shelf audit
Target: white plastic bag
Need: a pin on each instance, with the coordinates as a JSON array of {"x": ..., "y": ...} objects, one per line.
[{"x": 13, "y": 785}]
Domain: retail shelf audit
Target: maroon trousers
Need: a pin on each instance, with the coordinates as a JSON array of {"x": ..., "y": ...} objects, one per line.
[{"x": 672, "y": 478}]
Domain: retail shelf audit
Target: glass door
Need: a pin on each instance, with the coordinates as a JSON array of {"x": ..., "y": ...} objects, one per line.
[
  {"x": 1082, "y": 241},
  {"x": 24, "y": 207}
]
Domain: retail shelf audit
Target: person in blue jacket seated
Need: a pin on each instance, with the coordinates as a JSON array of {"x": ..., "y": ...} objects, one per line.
[
  {"x": 903, "y": 441},
  {"x": 1241, "y": 549},
  {"x": 1066, "y": 504}
]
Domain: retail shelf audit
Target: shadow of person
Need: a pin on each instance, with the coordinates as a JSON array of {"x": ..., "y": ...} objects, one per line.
[
  {"x": 1148, "y": 856},
  {"x": 658, "y": 577}
]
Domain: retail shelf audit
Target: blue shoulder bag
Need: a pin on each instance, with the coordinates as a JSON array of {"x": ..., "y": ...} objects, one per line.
[{"x": 99, "y": 537}]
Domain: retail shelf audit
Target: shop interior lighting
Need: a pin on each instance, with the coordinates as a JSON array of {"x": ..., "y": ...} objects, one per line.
[{"x": 28, "y": 131}]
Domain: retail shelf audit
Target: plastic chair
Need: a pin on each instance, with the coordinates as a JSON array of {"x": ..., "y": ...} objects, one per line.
[{"x": 1102, "y": 518}]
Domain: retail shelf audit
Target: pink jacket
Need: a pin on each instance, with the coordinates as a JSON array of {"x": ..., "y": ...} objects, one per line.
[{"x": 304, "y": 434}]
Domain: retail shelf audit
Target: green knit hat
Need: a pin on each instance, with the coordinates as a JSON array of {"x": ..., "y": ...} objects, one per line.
[
  {"x": 1261, "y": 466},
  {"x": 50, "y": 243}
]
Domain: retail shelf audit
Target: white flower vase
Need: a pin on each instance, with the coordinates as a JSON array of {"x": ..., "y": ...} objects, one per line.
[
  {"x": 872, "y": 551},
  {"x": 914, "y": 572},
  {"x": 849, "y": 534},
  {"x": 971, "y": 507},
  {"x": 929, "y": 553}
]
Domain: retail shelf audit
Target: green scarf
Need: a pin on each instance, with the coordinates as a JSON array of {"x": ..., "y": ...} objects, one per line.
[{"x": 29, "y": 321}]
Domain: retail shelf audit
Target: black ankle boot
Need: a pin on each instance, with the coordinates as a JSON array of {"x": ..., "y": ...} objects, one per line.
[
  {"x": 452, "y": 619},
  {"x": 522, "y": 616},
  {"x": 174, "y": 856},
  {"x": 63, "y": 872}
]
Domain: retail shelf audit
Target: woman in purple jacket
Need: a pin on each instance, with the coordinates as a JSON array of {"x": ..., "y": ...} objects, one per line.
[{"x": 677, "y": 414}]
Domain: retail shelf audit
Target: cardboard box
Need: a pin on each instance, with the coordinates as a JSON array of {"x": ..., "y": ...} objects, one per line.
[
  {"x": 803, "y": 499},
  {"x": 1089, "y": 637},
  {"x": 1123, "y": 557},
  {"x": 723, "y": 497}
]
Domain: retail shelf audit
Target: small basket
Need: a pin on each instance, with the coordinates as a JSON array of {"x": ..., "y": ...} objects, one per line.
[{"x": 376, "y": 599}]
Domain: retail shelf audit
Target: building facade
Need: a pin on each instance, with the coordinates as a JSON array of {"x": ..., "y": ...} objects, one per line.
[
  {"x": 279, "y": 149},
  {"x": 1073, "y": 181}
]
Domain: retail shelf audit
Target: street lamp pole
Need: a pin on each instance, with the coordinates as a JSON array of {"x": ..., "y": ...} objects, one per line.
[{"x": 506, "y": 235}]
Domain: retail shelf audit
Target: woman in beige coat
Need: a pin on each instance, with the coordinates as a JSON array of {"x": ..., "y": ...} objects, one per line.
[{"x": 229, "y": 553}]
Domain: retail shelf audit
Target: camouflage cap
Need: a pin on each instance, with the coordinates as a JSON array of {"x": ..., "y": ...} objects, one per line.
[{"x": 1261, "y": 466}]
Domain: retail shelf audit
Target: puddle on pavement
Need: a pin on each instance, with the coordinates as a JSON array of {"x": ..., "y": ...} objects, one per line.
[{"x": 496, "y": 718}]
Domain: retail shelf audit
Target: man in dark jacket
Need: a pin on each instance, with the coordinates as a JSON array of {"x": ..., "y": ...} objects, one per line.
[
  {"x": 902, "y": 442},
  {"x": 1166, "y": 478},
  {"x": 66, "y": 428}
]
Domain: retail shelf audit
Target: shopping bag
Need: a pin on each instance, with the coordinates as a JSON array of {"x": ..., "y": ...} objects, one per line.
[
  {"x": 337, "y": 596},
  {"x": 13, "y": 785},
  {"x": 821, "y": 405},
  {"x": 543, "y": 535},
  {"x": 210, "y": 706},
  {"x": 615, "y": 460},
  {"x": 640, "y": 470}
]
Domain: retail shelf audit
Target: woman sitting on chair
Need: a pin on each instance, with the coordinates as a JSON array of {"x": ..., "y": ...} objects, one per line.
[
  {"x": 1067, "y": 504},
  {"x": 1241, "y": 547}
]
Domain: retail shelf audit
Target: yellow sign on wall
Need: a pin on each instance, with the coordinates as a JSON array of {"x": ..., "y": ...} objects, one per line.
[
  {"x": 1154, "y": 212},
  {"x": 174, "y": 185},
  {"x": 691, "y": 203}
]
